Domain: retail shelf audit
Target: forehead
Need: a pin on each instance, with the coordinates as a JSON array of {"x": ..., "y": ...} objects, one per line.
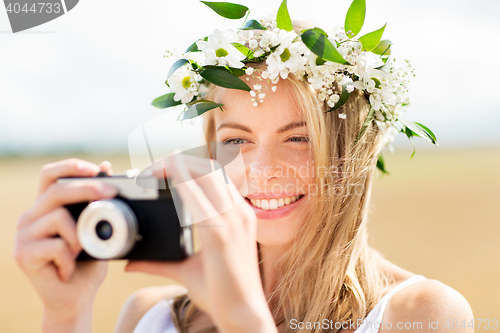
[{"x": 278, "y": 108}]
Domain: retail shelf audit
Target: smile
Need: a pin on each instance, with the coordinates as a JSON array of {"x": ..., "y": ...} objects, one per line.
[
  {"x": 273, "y": 204},
  {"x": 273, "y": 209}
]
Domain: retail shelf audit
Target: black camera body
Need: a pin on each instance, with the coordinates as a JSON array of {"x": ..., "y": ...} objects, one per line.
[{"x": 140, "y": 223}]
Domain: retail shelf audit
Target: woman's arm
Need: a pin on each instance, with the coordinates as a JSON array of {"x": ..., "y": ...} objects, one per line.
[{"x": 140, "y": 302}]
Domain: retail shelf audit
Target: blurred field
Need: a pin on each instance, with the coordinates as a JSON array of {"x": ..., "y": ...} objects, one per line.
[{"x": 436, "y": 215}]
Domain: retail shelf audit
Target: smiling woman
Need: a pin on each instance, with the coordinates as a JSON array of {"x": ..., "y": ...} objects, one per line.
[
  {"x": 309, "y": 115},
  {"x": 309, "y": 187}
]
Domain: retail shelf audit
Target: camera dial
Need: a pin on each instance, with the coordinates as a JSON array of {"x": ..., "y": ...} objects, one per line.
[{"x": 107, "y": 229}]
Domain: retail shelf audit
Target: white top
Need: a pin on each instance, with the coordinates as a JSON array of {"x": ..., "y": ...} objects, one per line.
[{"x": 158, "y": 320}]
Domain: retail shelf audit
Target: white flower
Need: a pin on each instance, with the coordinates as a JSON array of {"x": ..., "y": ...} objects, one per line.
[
  {"x": 252, "y": 93},
  {"x": 274, "y": 88},
  {"x": 249, "y": 71},
  {"x": 349, "y": 88},
  {"x": 258, "y": 53},
  {"x": 287, "y": 58},
  {"x": 219, "y": 51},
  {"x": 342, "y": 116},
  {"x": 183, "y": 84},
  {"x": 257, "y": 86},
  {"x": 253, "y": 44}
]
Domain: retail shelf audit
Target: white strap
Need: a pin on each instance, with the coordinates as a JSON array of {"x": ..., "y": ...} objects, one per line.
[{"x": 371, "y": 323}]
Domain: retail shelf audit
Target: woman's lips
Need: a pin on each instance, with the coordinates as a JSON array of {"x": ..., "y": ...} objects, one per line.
[{"x": 275, "y": 213}]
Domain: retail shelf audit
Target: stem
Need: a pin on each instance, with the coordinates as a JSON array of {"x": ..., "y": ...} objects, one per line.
[{"x": 245, "y": 21}]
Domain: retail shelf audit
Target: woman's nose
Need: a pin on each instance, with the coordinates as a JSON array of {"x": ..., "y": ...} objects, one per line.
[{"x": 265, "y": 166}]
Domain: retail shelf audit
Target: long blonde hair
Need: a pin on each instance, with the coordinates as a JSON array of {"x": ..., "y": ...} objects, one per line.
[{"x": 330, "y": 272}]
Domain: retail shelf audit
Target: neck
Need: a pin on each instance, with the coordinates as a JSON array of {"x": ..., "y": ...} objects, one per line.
[{"x": 271, "y": 272}]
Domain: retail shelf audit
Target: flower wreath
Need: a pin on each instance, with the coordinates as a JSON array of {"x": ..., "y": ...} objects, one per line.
[{"x": 324, "y": 61}]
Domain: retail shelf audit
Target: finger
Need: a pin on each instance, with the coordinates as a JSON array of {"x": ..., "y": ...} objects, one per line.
[
  {"x": 168, "y": 269},
  {"x": 72, "y": 167},
  {"x": 58, "y": 222},
  {"x": 61, "y": 194},
  {"x": 37, "y": 255},
  {"x": 191, "y": 193},
  {"x": 198, "y": 166},
  {"x": 106, "y": 166}
]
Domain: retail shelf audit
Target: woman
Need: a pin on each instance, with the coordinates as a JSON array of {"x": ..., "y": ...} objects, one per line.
[
  {"x": 293, "y": 256},
  {"x": 315, "y": 263}
]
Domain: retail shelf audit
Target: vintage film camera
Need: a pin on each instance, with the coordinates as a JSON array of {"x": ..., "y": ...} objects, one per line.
[{"x": 140, "y": 223}]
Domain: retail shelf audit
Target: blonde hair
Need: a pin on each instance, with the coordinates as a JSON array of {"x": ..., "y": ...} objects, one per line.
[{"x": 330, "y": 272}]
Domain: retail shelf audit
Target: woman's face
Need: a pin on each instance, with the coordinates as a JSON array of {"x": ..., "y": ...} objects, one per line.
[{"x": 273, "y": 139}]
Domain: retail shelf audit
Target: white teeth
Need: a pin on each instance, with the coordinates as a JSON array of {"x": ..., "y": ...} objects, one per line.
[
  {"x": 273, "y": 203},
  {"x": 265, "y": 204}
]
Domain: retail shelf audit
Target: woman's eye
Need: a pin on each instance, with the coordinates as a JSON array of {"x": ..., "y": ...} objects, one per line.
[
  {"x": 299, "y": 139},
  {"x": 236, "y": 141}
]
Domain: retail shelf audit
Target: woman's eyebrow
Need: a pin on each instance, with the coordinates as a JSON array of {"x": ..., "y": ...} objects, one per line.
[{"x": 246, "y": 129}]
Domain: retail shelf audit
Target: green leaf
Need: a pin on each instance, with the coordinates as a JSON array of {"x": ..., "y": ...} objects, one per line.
[
  {"x": 343, "y": 98},
  {"x": 283, "y": 19},
  {"x": 383, "y": 48},
  {"x": 228, "y": 10},
  {"x": 193, "y": 47},
  {"x": 165, "y": 101},
  {"x": 355, "y": 18},
  {"x": 321, "y": 46},
  {"x": 178, "y": 64},
  {"x": 321, "y": 31},
  {"x": 368, "y": 119},
  {"x": 372, "y": 39},
  {"x": 320, "y": 61},
  {"x": 223, "y": 78},
  {"x": 381, "y": 164},
  {"x": 236, "y": 71},
  {"x": 410, "y": 134},
  {"x": 429, "y": 132},
  {"x": 199, "y": 108},
  {"x": 420, "y": 130},
  {"x": 253, "y": 25},
  {"x": 244, "y": 50}
]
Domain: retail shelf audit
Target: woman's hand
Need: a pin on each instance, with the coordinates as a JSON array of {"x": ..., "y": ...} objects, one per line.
[
  {"x": 67, "y": 288},
  {"x": 223, "y": 278}
]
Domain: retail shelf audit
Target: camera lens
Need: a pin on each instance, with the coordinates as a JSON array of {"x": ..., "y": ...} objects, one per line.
[
  {"x": 107, "y": 229},
  {"x": 104, "y": 230}
]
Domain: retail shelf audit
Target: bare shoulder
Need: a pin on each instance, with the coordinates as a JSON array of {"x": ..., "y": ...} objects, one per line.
[
  {"x": 429, "y": 306},
  {"x": 140, "y": 302}
]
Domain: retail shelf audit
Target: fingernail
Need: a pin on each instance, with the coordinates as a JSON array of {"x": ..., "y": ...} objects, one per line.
[{"x": 108, "y": 190}]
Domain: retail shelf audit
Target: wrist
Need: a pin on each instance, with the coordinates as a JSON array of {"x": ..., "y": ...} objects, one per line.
[{"x": 67, "y": 320}]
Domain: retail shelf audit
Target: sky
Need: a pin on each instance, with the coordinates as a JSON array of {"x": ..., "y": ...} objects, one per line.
[{"x": 85, "y": 81}]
